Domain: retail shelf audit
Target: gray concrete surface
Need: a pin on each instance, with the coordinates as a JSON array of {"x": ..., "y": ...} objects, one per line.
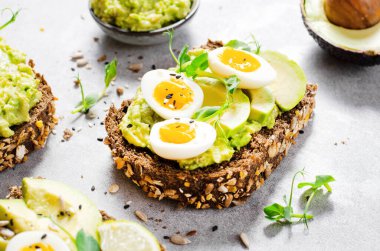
[{"x": 348, "y": 105}]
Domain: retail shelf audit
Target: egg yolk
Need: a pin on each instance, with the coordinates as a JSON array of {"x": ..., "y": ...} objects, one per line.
[
  {"x": 38, "y": 246},
  {"x": 239, "y": 60},
  {"x": 174, "y": 94},
  {"x": 177, "y": 133}
]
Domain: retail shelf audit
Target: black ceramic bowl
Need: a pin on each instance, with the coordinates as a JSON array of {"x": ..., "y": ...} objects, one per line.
[{"x": 146, "y": 37}]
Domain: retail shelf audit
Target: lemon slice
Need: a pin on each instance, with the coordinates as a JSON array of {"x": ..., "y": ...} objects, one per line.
[{"x": 127, "y": 236}]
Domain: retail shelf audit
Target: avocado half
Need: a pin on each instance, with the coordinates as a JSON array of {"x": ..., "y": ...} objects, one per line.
[{"x": 356, "y": 46}]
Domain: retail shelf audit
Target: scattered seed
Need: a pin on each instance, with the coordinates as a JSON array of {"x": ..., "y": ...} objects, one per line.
[
  {"x": 126, "y": 207},
  {"x": 100, "y": 139},
  {"x": 114, "y": 188},
  {"x": 82, "y": 62},
  {"x": 43, "y": 236},
  {"x": 91, "y": 115},
  {"x": 77, "y": 55},
  {"x": 214, "y": 228},
  {"x": 135, "y": 67},
  {"x": 4, "y": 223},
  {"x": 88, "y": 67},
  {"x": 67, "y": 134},
  {"x": 153, "y": 67},
  {"x": 141, "y": 216},
  {"x": 191, "y": 233},
  {"x": 102, "y": 58},
  {"x": 96, "y": 39},
  {"x": 244, "y": 240},
  {"x": 93, "y": 188},
  {"x": 128, "y": 202},
  {"x": 301, "y": 131},
  {"x": 166, "y": 237},
  {"x": 179, "y": 240},
  {"x": 120, "y": 91}
]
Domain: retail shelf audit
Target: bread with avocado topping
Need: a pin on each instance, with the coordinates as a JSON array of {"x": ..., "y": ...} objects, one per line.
[
  {"x": 31, "y": 135},
  {"x": 217, "y": 186}
]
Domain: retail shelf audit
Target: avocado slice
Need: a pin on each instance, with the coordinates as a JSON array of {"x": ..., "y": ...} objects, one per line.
[
  {"x": 238, "y": 113},
  {"x": 21, "y": 217},
  {"x": 66, "y": 206},
  {"x": 262, "y": 104},
  {"x": 356, "y": 46},
  {"x": 290, "y": 85},
  {"x": 214, "y": 91}
]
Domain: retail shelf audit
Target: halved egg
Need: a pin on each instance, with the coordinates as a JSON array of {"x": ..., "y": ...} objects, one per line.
[
  {"x": 252, "y": 70},
  {"x": 181, "y": 138},
  {"x": 36, "y": 240},
  {"x": 171, "y": 95}
]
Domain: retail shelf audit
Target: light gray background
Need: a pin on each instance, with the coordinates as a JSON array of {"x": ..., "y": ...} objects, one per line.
[{"x": 348, "y": 105}]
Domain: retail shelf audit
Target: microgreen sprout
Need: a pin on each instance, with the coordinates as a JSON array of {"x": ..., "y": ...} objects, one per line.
[
  {"x": 12, "y": 19},
  {"x": 320, "y": 182},
  {"x": 285, "y": 214},
  {"x": 252, "y": 45},
  {"x": 90, "y": 100}
]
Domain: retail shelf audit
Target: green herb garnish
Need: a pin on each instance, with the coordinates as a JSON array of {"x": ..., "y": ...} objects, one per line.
[
  {"x": 285, "y": 214},
  {"x": 12, "y": 19},
  {"x": 320, "y": 182},
  {"x": 91, "y": 99},
  {"x": 86, "y": 242},
  {"x": 252, "y": 46}
]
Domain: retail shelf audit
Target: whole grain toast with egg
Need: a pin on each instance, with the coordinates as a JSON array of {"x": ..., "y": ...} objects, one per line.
[
  {"x": 32, "y": 135},
  {"x": 221, "y": 185}
]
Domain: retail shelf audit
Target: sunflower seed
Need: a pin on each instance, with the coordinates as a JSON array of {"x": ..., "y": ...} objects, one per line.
[
  {"x": 141, "y": 216},
  {"x": 114, "y": 188},
  {"x": 4, "y": 223},
  {"x": 179, "y": 240},
  {"x": 244, "y": 240}
]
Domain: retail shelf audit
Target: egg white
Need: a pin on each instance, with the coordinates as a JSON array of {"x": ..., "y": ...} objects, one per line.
[
  {"x": 28, "y": 238},
  {"x": 148, "y": 84},
  {"x": 263, "y": 76},
  {"x": 205, "y": 136}
]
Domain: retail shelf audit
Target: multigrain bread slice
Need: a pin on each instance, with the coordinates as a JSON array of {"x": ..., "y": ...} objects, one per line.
[
  {"x": 217, "y": 186},
  {"x": 32, "y": 135}
]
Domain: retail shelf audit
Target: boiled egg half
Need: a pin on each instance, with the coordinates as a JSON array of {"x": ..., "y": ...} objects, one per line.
[
  {"x": 36, "y": 240},
  {"x": 253, "y": 71},
  {"x": 181, "y": 138},
  {"x": 171, "y": 95}
]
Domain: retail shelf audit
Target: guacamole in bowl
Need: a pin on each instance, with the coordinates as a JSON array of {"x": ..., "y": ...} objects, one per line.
[{"x": 141, "y": 15}]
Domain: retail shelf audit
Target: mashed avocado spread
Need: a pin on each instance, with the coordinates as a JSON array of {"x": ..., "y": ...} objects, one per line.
[
  {"x": 18, "y": 89},
  {"x": 141, "y": 15},
  {"x": 135, "y": 127}
]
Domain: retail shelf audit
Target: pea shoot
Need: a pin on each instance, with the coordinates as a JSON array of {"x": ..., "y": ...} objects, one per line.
[
  {"x": 12, "y": 19},
  {"x": 90, "y": 100},
  {"x": 285, "y": 214}
]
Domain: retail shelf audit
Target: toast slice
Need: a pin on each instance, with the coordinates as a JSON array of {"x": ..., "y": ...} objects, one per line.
[
  {"x": 31, "y": 135},
  {"x": 217, "y": 186}
]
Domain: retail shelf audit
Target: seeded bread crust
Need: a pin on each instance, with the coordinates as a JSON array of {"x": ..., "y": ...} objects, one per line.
[{"x": 32, "y": 135}]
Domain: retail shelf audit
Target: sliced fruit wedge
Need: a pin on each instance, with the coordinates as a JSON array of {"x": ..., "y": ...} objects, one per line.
[
  {"x": 127, "y": 236},
  {"x": 262, "y": 104},
  {"x": 238, "y": 113},
  {"x": 290, "y": 85}
]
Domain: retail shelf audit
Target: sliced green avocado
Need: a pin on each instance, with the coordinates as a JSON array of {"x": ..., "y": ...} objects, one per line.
[
  {"x": 66, "y": 206},
  {"x": 262, "y": 104},
  {"x": 21, "y": 217},
  {"x": 356, "y": 46},
  {"x": 3, "y": 244},
  {"x": 238, "y": 113},
  {"x": 214, "y": 91},
  {"x": 290, "y": 85}
]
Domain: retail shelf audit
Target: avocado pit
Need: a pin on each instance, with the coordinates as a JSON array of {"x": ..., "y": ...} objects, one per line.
[{"x": 353, "y": 14}]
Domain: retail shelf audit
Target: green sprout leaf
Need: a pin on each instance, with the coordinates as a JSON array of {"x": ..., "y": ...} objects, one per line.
[
  {"x": 237, "y": 44},
  {"x": 232, "y": 83},
  {"x": 111, "y": 72},
  {"x": 206, "y": 113},
  {"x": 90, "y": 100},
  {"x": 86, "y": 242},
  {"x": 199, "y": 63},
  {"x": 252, "y": 46},
  {"x": 320, "y": 181},
  {"x": 274, "y": 212},
  {"x": 12, "y": 19},
  {"x": 183, "y": 57}
]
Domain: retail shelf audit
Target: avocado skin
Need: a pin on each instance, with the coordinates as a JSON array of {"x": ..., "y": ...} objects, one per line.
[{"x": 364, "y": 58}]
